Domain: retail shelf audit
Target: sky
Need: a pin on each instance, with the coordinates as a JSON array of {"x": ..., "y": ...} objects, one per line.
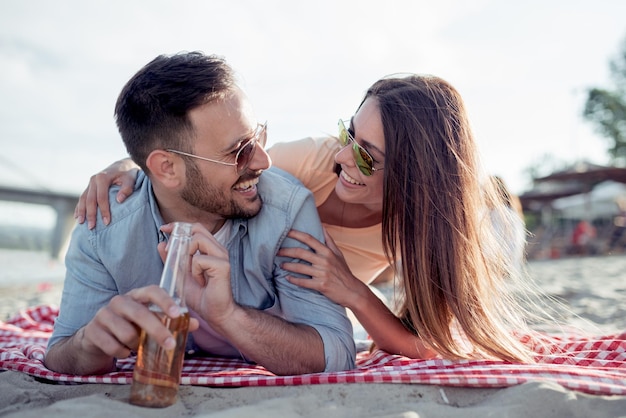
[{"x": 522, "y": 67}]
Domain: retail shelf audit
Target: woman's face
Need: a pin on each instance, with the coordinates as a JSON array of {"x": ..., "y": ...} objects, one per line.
[{"x": 353, "y": 186}]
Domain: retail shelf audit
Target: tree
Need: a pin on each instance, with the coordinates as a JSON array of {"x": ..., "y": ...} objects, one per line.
[{"x": 606, "y": 109}]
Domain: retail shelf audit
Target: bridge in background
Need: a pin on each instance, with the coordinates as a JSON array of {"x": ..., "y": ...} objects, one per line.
[{"x": 62, "y": 203}]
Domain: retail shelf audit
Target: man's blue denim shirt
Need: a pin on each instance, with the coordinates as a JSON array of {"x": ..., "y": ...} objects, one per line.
[{"x": 111, "y": 260}]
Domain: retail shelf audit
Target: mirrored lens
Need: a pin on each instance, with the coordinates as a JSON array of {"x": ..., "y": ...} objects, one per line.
[
  {"x": 363, "y": 159},
  {"x": 343, "y": 134}
]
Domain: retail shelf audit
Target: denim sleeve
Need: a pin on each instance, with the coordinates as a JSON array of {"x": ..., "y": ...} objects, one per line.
[
  {"x": 301, "y": 305},
  {"x": 88, "y": 285}
]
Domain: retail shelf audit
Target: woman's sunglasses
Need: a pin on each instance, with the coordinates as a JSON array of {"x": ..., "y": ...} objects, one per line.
[
  {"x": 363, "y": 159},
  {"x": 245, "y": 153}
]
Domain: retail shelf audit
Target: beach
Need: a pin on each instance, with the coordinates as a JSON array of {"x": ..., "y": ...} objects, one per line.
[{"x": 593, "y": 288}]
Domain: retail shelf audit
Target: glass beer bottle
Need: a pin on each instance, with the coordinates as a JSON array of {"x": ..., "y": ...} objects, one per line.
[{"x": 157, "y": 371}]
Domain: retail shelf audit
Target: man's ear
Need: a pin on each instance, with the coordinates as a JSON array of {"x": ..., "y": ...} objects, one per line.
[{"x": 166, "y": 168}]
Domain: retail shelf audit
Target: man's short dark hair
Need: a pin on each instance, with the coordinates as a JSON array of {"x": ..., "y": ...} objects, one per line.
[{"x": 152, "y": 109}]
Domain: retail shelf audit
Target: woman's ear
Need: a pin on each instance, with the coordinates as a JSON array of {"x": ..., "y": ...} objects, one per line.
[{"x": 165, "y": 168}]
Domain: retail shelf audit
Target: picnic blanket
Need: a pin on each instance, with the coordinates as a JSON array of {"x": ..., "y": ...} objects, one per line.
[{"x": 595, "y": 365}]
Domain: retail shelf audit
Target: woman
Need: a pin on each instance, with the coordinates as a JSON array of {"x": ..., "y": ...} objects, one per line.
[{"x": 409, "y": 165}]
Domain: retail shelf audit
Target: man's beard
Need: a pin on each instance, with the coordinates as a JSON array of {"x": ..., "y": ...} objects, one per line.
[{"x": 200, "y": 194}]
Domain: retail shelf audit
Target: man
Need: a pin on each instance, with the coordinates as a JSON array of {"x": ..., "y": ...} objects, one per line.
[{"x": 191, "y": 129}]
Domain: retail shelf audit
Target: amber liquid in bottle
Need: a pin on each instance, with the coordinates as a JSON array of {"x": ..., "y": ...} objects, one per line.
[{"x": 157, "y": 372}]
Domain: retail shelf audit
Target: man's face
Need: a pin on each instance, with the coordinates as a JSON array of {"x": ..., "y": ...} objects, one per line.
[{"x": 221, "y": 129}]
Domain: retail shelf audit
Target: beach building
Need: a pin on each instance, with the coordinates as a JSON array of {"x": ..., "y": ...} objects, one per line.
[{"x": 577, "y": 211}]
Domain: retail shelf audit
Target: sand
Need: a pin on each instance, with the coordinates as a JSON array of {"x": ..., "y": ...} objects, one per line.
[
  {"x": 595, "y": 288},
  {"x": 22, "y": 396}
]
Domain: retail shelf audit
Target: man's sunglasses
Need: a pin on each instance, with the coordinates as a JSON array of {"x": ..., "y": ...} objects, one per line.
[
  {"x": 244, "y": 155},
  {"x": 363, "y": 159}
]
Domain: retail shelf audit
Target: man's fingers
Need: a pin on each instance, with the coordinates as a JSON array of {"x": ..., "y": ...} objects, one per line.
[
  {"x": 144, "y": 296},
  {"x": 132, "y": 308},
  {"x": 201, "y": 240},
  {"x": 194, "y": 324},
  {"x": 105, "y": 342}
]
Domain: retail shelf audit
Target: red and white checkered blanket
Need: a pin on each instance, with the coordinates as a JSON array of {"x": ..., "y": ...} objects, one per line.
[{"x": 593, "y": 365}]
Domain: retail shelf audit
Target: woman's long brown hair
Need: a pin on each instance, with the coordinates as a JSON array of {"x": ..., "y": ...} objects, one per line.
[{"x": 434, "y": 219}]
